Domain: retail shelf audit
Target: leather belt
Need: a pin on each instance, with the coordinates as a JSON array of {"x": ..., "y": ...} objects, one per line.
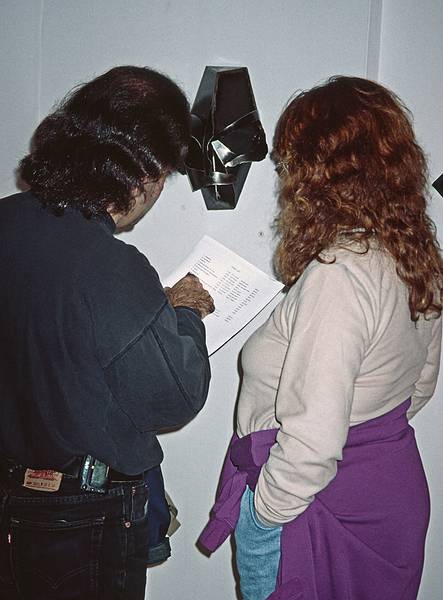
[
  {"x": 74, "y": 469},
  {"x": 92, "y": 474}
]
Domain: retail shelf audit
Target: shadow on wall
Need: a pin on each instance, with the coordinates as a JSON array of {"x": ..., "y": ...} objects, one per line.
[{"x": 201, "y": 548}]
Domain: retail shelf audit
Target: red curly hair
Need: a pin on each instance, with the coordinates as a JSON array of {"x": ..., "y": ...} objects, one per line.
[{"x": 348, "y": 160}]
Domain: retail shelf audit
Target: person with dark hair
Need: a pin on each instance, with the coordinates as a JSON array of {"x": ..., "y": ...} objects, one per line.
[
  {"x": 96, "y": 358},
  {"x": 323, "y": 481}
]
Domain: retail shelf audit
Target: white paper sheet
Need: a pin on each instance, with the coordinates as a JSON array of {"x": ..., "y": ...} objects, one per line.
[{"x": 240, "y": 290}]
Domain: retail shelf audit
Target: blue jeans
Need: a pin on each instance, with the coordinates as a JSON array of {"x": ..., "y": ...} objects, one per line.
[
  {"x": 74, "y": 545},
  {"x": 257, "y": 552}
]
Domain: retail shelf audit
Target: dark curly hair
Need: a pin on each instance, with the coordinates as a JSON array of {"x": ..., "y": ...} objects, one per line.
[
  {"x": 106, "y": 139},
  {"x": 348, "y": 160}
]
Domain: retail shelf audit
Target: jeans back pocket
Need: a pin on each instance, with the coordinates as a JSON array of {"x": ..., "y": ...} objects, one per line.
[{"x": 56, "y": 559}]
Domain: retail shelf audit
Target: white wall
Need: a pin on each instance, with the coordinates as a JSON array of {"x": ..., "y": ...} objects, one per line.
[
  {"x": 410, "y": 63},
  {"x": 19, "y": 83},
  {"x": 48, "y": 46}
]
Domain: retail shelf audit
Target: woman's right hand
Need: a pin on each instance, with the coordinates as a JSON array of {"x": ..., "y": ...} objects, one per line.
[{"x": 188, "y": 291}]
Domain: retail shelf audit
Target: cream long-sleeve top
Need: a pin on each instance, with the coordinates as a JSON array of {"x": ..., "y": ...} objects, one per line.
[{"x": 339, "y": 349}]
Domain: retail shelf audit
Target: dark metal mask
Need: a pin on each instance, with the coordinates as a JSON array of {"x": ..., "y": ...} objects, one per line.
[{"x": 226, "y": 136}]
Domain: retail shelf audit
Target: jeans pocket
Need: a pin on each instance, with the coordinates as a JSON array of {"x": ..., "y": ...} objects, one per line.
[
  {"x": 255, "y": 518},
  {"x": 56, "y": 559},
  {"x": 139, "y": 502}
]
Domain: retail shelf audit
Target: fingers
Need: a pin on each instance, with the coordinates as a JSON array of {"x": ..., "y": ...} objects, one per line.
[
  {"x": 207, "y": 304},
  {"x": 189, "y": 291}
]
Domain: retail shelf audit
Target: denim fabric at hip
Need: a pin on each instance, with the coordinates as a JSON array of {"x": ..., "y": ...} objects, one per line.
[
  {"x": 257, "y": 552},
  {"x": 73, "y": 545}
]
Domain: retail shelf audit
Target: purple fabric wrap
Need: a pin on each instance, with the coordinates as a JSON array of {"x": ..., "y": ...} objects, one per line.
[{"x": 362, "y": 538}]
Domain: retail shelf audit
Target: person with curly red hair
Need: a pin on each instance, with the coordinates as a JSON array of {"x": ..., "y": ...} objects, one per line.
[{"x": 323, "y": 481}]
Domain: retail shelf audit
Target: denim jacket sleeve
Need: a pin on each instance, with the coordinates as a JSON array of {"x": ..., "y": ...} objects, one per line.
[{"x": 161, "y": 379}]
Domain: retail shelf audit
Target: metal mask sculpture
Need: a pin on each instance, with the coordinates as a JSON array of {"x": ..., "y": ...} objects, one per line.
[
  {"x": 438, "y": 185},
  {"x": 226, "y": 136}
]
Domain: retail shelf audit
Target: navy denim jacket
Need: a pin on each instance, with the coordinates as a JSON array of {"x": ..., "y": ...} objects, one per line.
[{"x": 93, "y": 358}]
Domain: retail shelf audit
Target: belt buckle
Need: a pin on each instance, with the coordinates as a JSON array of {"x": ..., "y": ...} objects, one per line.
[{"x": 93, "y": 475}]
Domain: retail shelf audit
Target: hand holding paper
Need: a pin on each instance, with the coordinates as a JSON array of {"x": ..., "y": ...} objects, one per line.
[
  {"x": 239, "y": 289},
  {"x": 188, "y": 291}
]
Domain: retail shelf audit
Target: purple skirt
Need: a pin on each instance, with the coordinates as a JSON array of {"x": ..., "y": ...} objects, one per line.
[{"x": 363, "y": 536}]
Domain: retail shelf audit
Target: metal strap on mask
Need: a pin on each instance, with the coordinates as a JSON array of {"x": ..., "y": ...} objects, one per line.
[{"x": 232, "y": 146}]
